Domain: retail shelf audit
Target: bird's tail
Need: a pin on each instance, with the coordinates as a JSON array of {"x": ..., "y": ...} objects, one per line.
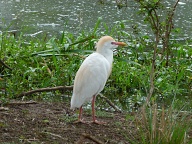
[{"x": 75, "y": 102}]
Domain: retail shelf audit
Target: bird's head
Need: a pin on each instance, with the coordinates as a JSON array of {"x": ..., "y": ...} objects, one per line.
[{"x": 107, "y": 43}]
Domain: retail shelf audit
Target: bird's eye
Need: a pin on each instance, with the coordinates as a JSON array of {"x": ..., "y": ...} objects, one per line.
[{"x": 112, "y": 43}]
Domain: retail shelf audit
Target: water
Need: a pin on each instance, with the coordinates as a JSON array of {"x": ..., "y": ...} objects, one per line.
[{"x": 40, "y": 17}]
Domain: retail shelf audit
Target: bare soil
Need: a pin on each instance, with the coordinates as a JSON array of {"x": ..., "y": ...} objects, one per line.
[{"x": 54, "y": 123}]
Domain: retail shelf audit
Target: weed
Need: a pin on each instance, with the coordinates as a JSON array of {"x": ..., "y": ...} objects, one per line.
[{"x": 162, "y": 126}]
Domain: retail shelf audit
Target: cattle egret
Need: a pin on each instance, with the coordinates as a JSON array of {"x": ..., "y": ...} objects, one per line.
[{"x": 92, "y": 75}]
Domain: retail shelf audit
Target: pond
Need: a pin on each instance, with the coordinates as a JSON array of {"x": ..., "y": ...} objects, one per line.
[{"x": 40, "y": 17}]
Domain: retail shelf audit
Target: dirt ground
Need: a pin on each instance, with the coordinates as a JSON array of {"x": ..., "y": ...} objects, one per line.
[{"x": 54, "y": 123}]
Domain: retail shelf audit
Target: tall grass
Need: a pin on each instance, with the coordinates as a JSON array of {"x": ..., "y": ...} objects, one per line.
[{"x": 162, "y": 126}]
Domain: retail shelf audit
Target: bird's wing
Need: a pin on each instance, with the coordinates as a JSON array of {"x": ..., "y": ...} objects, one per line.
[{"x": 90, "y": 79}]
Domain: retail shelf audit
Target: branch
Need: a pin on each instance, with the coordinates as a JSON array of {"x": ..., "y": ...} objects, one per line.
[
  {"x": 64, "y": 88},
  {"x": 168, "y": 28},
  {"x": 153, "y": 70},
  {"x": 110, "y": 103},
  {"x": 84, "y": 136},
  {"x": 54, "y": 135},
  {"x": 154, "y": 20},
  {"x": 1, "y": 62},
  {"x": 18, "y": 103},
  {"x": 3, "y": 108},
  {"x": 174, "y": 7},
  {"x": 45, "y": 90},
  {"x": 170, "y": 18}
]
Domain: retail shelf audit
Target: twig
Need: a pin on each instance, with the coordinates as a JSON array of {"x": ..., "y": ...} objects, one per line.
[
  {"x": 3, "y": 108},
  {"x": 31, "y": 140},
  {"x": 87, "y": 136},
  {"x": 168, "y": 27},
  {"x": 55, "y": 135},
  {"x": 110, "y": 103},
  {"x": 19, "y": 103},
  {"x": 45, "y": 90},
  {"x": 1, "y": 62}
]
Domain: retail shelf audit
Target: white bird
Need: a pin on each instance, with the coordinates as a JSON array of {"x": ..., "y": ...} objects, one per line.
[{"x": 92, "y": 75}]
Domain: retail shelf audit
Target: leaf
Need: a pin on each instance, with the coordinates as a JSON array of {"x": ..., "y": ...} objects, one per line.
[
  {"x": 66, "y": 46},
  {"x": 80, "y": 51},
  {"x": 122, "y": 25},
  {"x": 128, "y": 61},
  {"x": 69, "y": 40},
  {"x": 41, "y": 52},
  {"x": 62, "y": 37},
  {"x": 155, "y": 1},
  {"x": 82, "y": 40},
  {"x": 97, "y": 25}
]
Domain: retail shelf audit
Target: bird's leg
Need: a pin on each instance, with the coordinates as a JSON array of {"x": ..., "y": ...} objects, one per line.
[
  {"x": 93, "y": 111},
  {"x": 79, "y": 117},
  {"x": 80, "y": 113},
  {"x": 93, "y": 108}
]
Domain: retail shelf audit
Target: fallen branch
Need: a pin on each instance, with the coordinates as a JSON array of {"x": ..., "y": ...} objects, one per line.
[
  {"x": 54, "y": 135},
  {"x": 4, "y": 109},
  {"x": 18, "y": 103},
  {"x": 64, "y": 88},
  {"x": 45, "y": 90},
  {"x": 87, "y": 136},
  {"x": 110, "y": 103}
]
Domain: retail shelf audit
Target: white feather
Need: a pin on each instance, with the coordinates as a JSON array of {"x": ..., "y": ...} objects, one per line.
[{"x": 90, "y": 79}]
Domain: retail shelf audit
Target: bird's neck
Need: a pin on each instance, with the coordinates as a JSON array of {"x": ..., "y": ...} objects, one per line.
[
  {"x": 108, "y": 54},
  {"x": 109, "y": 58}
]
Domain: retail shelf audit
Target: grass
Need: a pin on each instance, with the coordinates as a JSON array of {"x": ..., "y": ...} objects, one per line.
[
  {"x": 163, "y": 126},
  {"x": 39, "y": 63}
]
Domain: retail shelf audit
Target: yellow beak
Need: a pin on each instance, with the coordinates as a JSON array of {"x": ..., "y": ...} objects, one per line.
[{"x": 119, "y": 43}]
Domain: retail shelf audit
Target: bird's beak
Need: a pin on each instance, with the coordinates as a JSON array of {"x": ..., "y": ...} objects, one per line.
[{"x": 119, "y": 43}]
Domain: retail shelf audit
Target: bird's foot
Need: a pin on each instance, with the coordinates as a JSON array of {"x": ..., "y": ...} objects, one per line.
[{"x": 79, "y": 121}]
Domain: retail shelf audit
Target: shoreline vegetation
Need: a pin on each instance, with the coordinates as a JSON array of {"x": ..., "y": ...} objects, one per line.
[{"x": 151, "y": 82}]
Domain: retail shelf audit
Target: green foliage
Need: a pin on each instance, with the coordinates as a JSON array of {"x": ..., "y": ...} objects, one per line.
[
  {"x": 69, "y": 119},
  {"x": 40, "y": 63},
  {"x": 162, "y": 126}
]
